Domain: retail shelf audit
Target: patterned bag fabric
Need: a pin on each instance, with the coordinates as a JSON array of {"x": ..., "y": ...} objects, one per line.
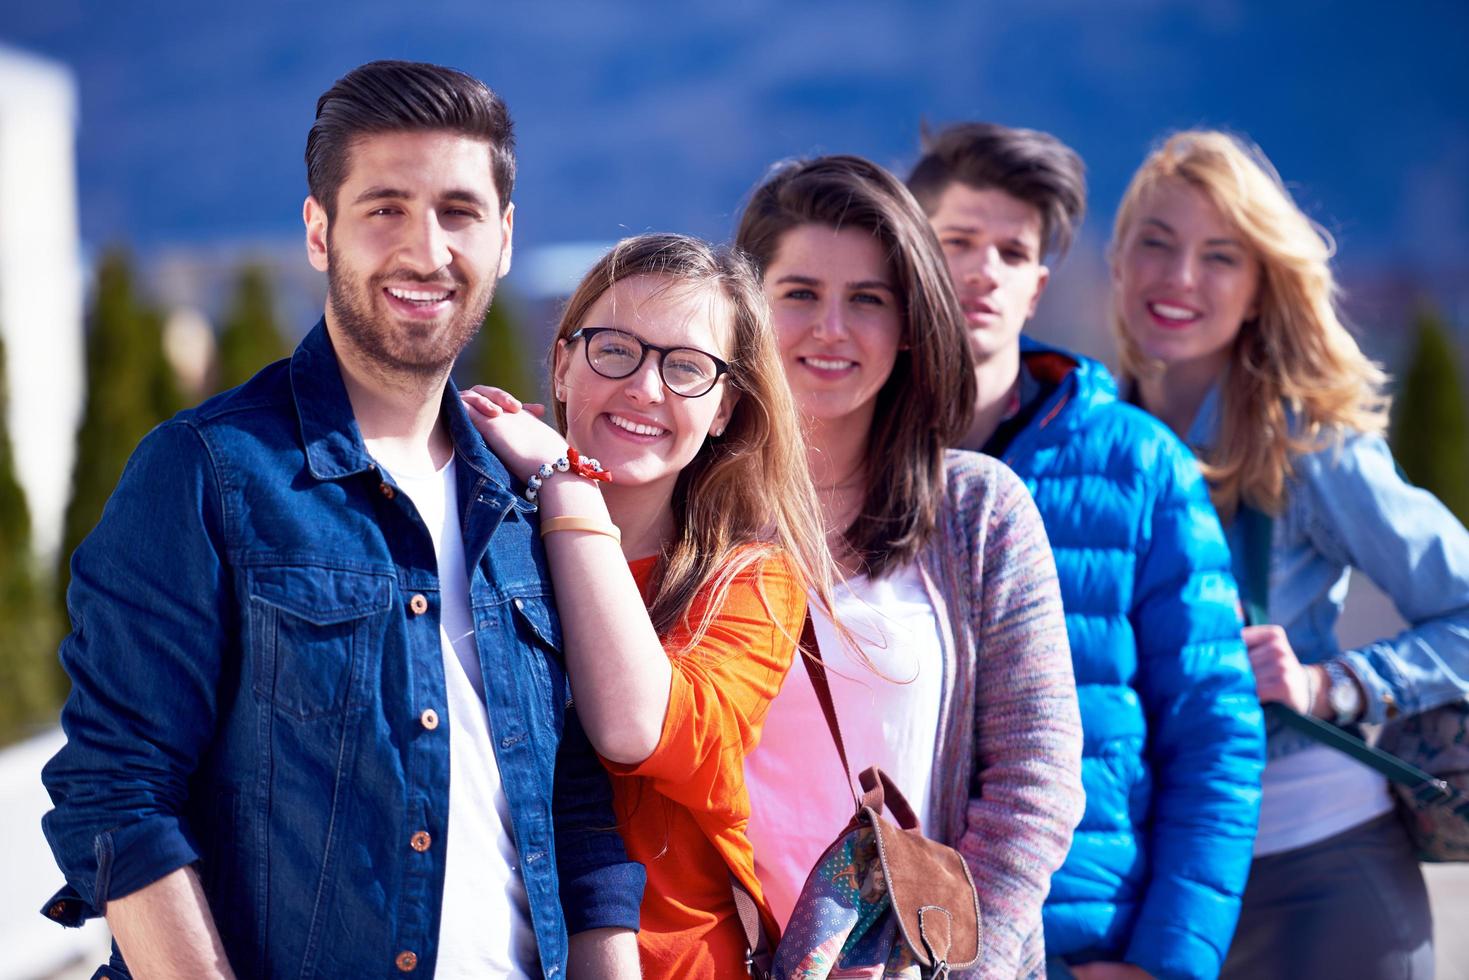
[
  {"x": 882, "y": 902},
  {"x": 1436, "y": 741}
]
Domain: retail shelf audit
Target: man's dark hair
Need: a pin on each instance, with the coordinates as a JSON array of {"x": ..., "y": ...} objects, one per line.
[
  {"x": 1029, "y": 165},
  {"x": 398, "y": 96}
]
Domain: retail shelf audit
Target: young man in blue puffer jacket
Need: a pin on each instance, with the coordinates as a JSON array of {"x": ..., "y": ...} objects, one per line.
[{"x": 1174, "y": 743}]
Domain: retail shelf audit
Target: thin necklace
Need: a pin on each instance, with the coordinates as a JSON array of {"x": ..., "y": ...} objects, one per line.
[{"x": 844, "y": 485}]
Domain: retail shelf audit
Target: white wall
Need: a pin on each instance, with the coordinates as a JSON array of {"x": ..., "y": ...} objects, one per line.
[
  {"x": 34, "y": 946},
  {"x": 40, "y": 282}
]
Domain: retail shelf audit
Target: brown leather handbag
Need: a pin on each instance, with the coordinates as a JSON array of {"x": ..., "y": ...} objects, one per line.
[{"x": 882, "y": 900}]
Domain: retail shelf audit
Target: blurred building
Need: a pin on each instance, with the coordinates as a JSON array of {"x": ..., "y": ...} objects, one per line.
[{"x": 40, "y": 281}]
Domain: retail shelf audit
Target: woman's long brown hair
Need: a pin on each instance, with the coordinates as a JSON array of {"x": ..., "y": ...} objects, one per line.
[{"x": 927, "y": 403}]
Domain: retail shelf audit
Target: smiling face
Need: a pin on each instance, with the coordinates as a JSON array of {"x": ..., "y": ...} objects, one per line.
[
  {"x": 992, "y": 243},
  {"x": 413, "y": 251},
  {"x": 1184, "y": 279},
  {"x": 637, "y": 428},
  {"x": 838, "y": 319}
]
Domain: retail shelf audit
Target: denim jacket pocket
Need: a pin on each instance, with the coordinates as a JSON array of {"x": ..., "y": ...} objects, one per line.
[
  {"x": 538, "y": 623},
  {"x": 308, "y": 630},
  {"x": 534, "y": 613}
]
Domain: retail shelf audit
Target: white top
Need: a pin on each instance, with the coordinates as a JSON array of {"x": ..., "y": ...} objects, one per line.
[
  {"x": 484, "y": 920},
  {"x": 1314, "y": 794},
  {"x": 799, "y": 799}
]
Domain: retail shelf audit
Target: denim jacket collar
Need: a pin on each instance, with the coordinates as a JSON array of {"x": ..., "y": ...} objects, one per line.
[
  {"x": 1203, "y": 434},
  {"x": 329, "y": 432},
  {"x": 1204, "y": 431},
  {"x": 333, "y": 442}
]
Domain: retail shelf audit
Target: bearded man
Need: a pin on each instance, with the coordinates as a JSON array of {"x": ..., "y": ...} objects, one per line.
[{"x": 319, "y": 723}]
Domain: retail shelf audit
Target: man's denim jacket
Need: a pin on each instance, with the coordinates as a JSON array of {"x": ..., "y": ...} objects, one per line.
[
  {"x": 1346, "y": 507},
  {"x": 257, "y": 681}
]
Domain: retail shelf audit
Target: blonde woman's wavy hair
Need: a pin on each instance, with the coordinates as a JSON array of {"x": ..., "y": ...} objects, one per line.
[
  {"x": 1296, "y": 379},
  {"x": 747, "y": 492}
]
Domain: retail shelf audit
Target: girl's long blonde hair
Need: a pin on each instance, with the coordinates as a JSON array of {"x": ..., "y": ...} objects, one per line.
[
  {"x": 747, "y": 492},
  {"x": 1296, "y": 378}
]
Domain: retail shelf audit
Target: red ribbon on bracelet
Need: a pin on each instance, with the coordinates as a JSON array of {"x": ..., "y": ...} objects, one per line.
[{"x": 588, "y": 468}]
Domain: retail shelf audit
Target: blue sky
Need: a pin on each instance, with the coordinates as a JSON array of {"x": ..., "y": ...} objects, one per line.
[{"x": 641, "y": 116}]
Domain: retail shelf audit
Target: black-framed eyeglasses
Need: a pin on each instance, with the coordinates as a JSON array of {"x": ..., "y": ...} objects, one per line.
[{"x": 686, "y": 371}]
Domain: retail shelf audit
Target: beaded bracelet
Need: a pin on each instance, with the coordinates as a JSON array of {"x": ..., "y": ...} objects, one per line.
[{"x": 573, "y": 462}]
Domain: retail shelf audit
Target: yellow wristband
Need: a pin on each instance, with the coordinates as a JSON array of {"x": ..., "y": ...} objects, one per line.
[{"x": 553, "y": 524}]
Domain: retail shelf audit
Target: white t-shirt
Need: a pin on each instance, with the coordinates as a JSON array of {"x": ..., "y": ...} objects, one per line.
[
  {"x": 1314, "y": 794},
  {"x": 484, "y": 922},
  {"x": 799, "y": 800}
]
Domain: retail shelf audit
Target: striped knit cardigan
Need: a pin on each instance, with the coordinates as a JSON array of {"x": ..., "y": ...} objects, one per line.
[{"x": 1007, "y": 771}]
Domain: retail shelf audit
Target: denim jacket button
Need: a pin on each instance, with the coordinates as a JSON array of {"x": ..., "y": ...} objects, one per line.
[
  {"x": 429, "y": 719},
  {"x": 420, "y": 841},
  {"x": 1392, "y": 706},
  {"x": 407, "y": 961},
  {"x": 386, "y": 489},
  {"x": 418, "y": 605}
]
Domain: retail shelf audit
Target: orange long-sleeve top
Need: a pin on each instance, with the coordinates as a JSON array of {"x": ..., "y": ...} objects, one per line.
[{"x": 684, "y": 810}]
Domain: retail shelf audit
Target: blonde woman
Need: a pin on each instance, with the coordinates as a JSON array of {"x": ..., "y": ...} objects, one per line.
[
  {"x": 682, "y": 581},
  {"x": 1225, "y": 309}
]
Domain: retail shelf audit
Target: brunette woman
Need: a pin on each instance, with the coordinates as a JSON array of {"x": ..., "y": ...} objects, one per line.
[
  {"x": 958, "y": 678},
  {"x": 1225, "y": 309},
  {"x": 682, "y": 580}
]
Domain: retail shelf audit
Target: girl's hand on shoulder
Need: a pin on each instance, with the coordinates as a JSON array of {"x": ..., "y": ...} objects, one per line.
[
  {"x": 512, "y": 429},
  {"x": 1110, "y": 971},
  {"x": 1279, "y": 674},
  {"x": 491, "y": 401}
]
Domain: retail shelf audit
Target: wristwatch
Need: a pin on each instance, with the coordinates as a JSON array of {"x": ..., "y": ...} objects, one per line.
[{"x": 1343, "y": 695}]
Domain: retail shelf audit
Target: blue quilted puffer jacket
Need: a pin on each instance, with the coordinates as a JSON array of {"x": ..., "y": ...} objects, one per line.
[{"x": 1174, "y": 743}]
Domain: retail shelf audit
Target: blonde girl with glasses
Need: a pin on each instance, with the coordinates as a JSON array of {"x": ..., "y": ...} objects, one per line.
[{"x": 681, "y": 582}]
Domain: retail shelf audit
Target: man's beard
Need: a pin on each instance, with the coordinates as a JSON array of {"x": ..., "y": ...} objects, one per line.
[{"x": 423, "y": 352}]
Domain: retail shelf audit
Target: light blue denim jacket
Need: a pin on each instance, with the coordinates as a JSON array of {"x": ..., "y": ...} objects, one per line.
[{"x": 1347, "y": 506}]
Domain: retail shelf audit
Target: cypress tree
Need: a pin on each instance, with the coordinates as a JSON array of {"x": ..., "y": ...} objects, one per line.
[
  {"x": 498, "y": 355},
  {"x": 31, "y": 681},
  {"x": 130, "y": 389},
  {"x": 249, "y": 337},
  {"x": 1431, "y": 424}
]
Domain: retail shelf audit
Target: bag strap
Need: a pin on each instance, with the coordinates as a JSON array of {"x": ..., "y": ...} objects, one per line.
[
  {"x": 879, "y": 790},
  {"x": 816, "y": 669},
  {"x": 1426, "y": 788},
  {"x": 1259, "y": 529},
  {"x": 759, "y": 957}
]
